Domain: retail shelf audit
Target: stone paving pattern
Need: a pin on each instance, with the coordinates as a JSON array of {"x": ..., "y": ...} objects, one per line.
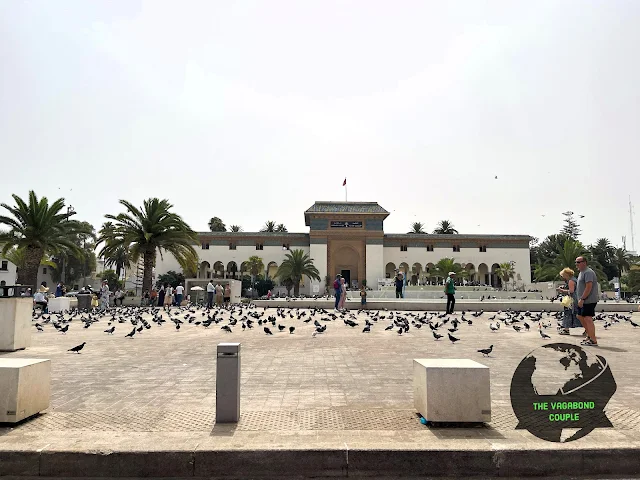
[{"x": 342, "y": 387}]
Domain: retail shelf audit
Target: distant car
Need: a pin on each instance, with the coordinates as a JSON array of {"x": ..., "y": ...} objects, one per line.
[{"x": 71, "y": 294}]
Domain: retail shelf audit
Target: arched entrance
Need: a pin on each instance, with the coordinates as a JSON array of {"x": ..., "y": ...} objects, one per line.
[
  {"x": 483, "y": 274},
  {"x": 346, "y": 261},
  {"x": 390, "y": 270}
]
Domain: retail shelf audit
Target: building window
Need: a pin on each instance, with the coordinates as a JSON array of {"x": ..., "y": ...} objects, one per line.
[
  {"x": 483, "y": 249},
  {"x": 44, "y": 270},
  {"x": 456, "y": 248},
  {"x": 259, "y": 246},
  {"x": 232, "y": 246},
  {"x": 5, "y": 265},
  {"x": 205, "y": 246},
  {"x": 403, "y": 248},
  {"x": 429, "y": 248}
]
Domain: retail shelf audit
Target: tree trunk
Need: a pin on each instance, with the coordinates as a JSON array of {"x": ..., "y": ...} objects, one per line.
[
  {"x": 149, "y": 260},
  {"x": 296, "y": 286},
  {"x": 29, "y": 274}
]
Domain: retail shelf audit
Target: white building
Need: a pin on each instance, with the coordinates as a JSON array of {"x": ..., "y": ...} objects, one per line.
[{"x": 348, "y": 238}]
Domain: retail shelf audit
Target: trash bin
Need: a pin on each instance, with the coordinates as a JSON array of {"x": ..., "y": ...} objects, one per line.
[
  {"x": 84, "y": 301},
  {"x": 228, "y": 383}
]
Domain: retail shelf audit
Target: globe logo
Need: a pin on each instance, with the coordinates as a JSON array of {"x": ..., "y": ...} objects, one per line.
[{"x": 559, "y": 392}]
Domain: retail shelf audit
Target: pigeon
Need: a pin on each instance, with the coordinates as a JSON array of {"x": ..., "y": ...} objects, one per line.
[
  {"x": 64, "y": 329},
  {"x": 516, "y": 328},
  {"x": 267, "y": 331},
  {"x": 486, "y": 351},
  {"x": 452, "y": 338},
  {"x": 131, "y": 334},
  {"x": 544, "y": 335},
  {"x": 39, "y": 328},
  {"x": 77, "y": 348},
  {"x": 110, "y": 330},
  {"x": 292, "y": 329},
  {"x": 437, "y": 336},
  {"x": 226, "y": 328},
  {"x": 366, "y": 329},
  {"x": 634, "y": 324}
]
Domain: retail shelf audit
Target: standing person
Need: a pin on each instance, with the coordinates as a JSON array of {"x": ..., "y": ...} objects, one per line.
[
  {"x": 337, "y": 288},
  {"x": 343, "y": 293},
  {"x": 399, "y": 284},
  {"x": 450, "y": 290},
  {"x": 179, "y": 294},
  {"x": 104, "y": 296},
  {"x": 59, "y": 290},
  {"x": 211, "y": 290},
  {"x": 227, "y": 294},
  {"x": 161, "y": 294},
  {"x": 570, "y": 319},
  {"x": 168, "y": 296},
  {"x": 154, "y": 297},
  {"x": 363, "y": 297},
  {"x": 219, "y": 295},
  {"x": 587, "y": 292}
]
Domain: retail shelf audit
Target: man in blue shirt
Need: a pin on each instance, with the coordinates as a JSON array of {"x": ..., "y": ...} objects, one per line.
[
  {"x": 337, "y": 287},
  {"x": 399, "y": 284}
]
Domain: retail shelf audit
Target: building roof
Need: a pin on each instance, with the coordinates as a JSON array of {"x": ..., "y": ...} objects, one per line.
[
  {"x": 346, "y": 207},
  {"x": 439, "y": 236},
  {"x": 252, "y": 234}
]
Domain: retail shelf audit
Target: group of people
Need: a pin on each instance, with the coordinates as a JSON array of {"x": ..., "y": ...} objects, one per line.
[
  {"x": 340, "y": 289},
  {"x": 581, "y": 296},
  {"x": 221, "y": 294}
]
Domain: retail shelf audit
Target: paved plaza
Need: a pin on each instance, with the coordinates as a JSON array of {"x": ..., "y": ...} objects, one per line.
[{"x": 341, "y": 390}]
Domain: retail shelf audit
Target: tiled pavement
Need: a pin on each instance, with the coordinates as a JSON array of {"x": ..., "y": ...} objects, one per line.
[{"x": 341, "y": 388}]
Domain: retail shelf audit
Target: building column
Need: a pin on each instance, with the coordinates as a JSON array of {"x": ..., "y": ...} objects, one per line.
[
  {"x": 318, "y": 252},
  {"x": 375, "y": 262}
]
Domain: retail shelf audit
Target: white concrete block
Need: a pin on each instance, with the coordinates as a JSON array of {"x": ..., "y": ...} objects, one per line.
[
  {"x": 15, "y": 323},
  {"x": 57, "y": 305},
  {"x": 452, "y": 390},
  {"x": 25, "y": 387}
]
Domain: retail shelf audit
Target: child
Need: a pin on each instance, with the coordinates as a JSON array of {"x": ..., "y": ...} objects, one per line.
[{"x": 363, "y": 297}]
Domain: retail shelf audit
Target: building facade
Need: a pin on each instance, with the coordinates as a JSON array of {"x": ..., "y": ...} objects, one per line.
[{"x": 349, "y": 238}]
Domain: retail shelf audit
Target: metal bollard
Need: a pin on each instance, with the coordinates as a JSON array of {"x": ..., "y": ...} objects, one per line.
[{"x": 228, "y": 383}]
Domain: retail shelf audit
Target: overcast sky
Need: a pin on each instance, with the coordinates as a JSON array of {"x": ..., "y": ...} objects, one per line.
[{"x": 253, "y": 110}]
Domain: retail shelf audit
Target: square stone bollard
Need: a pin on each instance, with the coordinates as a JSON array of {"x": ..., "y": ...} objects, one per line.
[
  {"x": 59, "y": 305},
  {"x": 228, "y": 383},
  {"x": 25, "y": 388},
  {"x": 15, "y": 323},
  {"x": 452, "y": 390}
]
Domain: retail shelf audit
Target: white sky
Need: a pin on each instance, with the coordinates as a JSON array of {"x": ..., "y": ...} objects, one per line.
[{"x": 253, "y": 110}]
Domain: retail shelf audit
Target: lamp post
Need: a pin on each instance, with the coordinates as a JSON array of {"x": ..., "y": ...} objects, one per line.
[{"x": 63, "y": 275}]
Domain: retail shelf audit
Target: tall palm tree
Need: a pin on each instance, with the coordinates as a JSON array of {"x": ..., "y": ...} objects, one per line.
[
  {"x": 41, "y": 229},
  {"x": 281, "y": 228},
  {"x": 118, "y": 258},
  {"x": 235, "y": 228},
  {"x": 505, "y": 272},
  {"x": 217, "y": 225},
  {"x": 149, "y": 230},
  {"x": 296, "y": 265},
  {"x": 269, "y": 226},
  {"x": 603, "y": 252},
  {"x": 622, "y": 260},
  {"x": 445, "y": 265},
  {"x": 445, "y": 227},
  {"x": 417, "y": 227},
  {"x": 254, "y": 266}
]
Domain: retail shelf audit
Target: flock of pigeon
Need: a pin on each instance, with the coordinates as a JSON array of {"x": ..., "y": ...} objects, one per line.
[{"x": 249, "y": 316}]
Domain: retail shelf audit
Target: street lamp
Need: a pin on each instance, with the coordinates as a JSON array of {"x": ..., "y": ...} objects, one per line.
[{"x": 63, "y": 276}]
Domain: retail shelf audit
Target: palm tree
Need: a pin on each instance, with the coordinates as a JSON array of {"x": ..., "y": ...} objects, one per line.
[
  {"x": 149, "y": 230},
  {"x": 603, "y": 252},
  {"x": 118, "y": 257},
  {"x": 566, "y": 257},
  {"x": 254, "y": 266},
  {"x": 417, "y": 227},
  {"x": 281, "y": 228},
  {"x": 445, "y": 227},
  {"x": 269, "y": 226},
  {"x": 217, "y": 225},
  {"x": 296, "y": 265},
  {"x": 235, "y": 228},
  {"x": 622, "y": 260},
  {"x": 445, "y": 265},
  {"x": 505, "y": 272},
  {"x": 40, "y": 229}
]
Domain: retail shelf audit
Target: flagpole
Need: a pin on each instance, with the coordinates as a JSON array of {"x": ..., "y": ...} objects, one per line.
[{"x": 345, "y": 193}]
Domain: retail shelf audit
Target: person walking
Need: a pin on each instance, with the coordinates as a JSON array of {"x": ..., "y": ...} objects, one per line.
[
  {"x": 168, "y": 296},
  {"x": 399, "y": 284},
  {"x": 219, "y": 295},
  {"x": 569, "y": 319},
  {"x": 337, "y": 288},
  {"x": 179, "y": 294},
  {"x": 161, "y": 295},
  {"x": 587, "y": 293},
  {"x": 227, "y": 294},
  {"x": 363, "y": 297},
  {"x": 450, "y": 290},
  {"x": 343, "y": 293},
  {"x": 104, "y": 296},
  {"x": 59, "y": 290},
  {"x": 211, "y": 290}
]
